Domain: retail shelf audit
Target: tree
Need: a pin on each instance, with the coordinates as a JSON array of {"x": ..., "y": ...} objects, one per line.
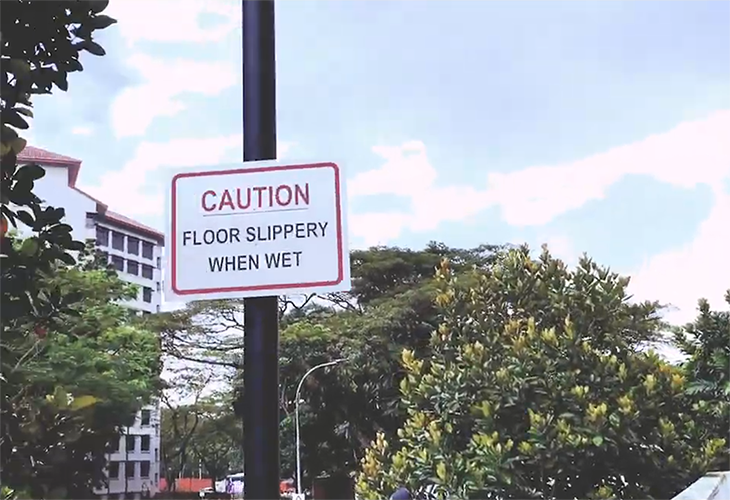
[
  {"x": 41, "y": 43},
  {"x": 177, "y": 426},
  {"x": 184, "y": 402},
  {"x": 98, "y": 370},
  {"x": 390, "y": 307},
  {"x": 535, "y": 388},
  {"x": 218, "y": 441},
  {"x": 706, "y": 344}
]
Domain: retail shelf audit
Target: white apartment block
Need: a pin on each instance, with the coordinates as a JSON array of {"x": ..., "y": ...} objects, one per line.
[
  {"x": 134, "y": 468},
  {"x": 135, "y": 250}
]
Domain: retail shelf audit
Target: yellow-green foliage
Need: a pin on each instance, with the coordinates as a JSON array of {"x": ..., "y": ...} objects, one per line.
[{"x": 557, "y": 402}]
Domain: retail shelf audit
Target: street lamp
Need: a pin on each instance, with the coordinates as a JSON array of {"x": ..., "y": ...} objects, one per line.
[{"x": 296, "y": 417}]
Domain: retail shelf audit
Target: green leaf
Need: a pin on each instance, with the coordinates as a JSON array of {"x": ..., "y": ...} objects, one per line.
[
  {"x": 24, "y": 111},
  {"x": 67, "y": 258},
  {"x": 25, "y": 217},
  {"x": 60, "y": 78},
  {"x": 60, "y": 398},
  {"x": 12, "y": 117},
  {"x": 30, "y": 172},
  {"x": 29, "y": 247},
  {"x": 18, "y": 145},
  {"x": 74, "y": 65},
  {"x": 102, "y": 21},
  {"x": 82, "y": 402},
  {"x": 598, "y": 440},
  {"x": 8, "y": 134},
  {"x": 93, "y": 48}
]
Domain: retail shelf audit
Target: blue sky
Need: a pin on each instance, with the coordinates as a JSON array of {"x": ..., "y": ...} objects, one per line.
[{"x": 591, "y": 126}]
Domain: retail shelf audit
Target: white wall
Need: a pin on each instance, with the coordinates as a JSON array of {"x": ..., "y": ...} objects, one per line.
[
  {"x": 156, "y": 262},
  {"x": 137, "y": 484},
  {"x": 54, "y": 190}
]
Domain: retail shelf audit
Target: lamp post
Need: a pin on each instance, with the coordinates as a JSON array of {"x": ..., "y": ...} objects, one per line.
[{"x": 296, "y": 417}]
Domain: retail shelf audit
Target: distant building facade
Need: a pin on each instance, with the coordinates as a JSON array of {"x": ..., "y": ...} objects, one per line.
[{"x": 135, "y": 250}]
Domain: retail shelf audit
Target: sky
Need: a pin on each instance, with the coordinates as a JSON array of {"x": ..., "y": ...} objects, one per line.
[{"x": 598, "y": 127}]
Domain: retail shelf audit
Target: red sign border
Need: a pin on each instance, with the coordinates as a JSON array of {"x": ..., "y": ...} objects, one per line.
[{"x": 206, "y": 173}]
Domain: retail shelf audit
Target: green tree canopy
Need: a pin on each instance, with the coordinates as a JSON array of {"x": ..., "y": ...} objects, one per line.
[
  {"x": 535, "y": 388},
  {"x": 390, "y": 307},
  {"x": 71, "y": 383},
  {"x": 217, "y": 442}
]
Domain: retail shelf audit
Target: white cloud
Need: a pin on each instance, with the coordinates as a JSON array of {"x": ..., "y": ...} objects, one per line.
[
  {"x": 82, "y": 130},
  {"x": 408, "y": 173},
  {"x": 134, "y": 108},
  {"x": 697, "y": 270},
  {"x": 376, "y": 228},
  {"x": 174, "y": 20},
  {"x": 134, "y": 190},
  {"x": 690, "y": 154}
]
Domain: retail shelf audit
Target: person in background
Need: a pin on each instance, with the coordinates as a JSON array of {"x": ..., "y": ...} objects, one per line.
[{"x": 401, "y": 494}]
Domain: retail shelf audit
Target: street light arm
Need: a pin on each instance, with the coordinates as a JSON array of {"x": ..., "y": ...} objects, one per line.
[
  {"x": 322, "y": 365},
  {"x": 296, "y": 416}
]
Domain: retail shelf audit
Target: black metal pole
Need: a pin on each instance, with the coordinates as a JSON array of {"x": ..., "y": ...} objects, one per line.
[{"x": 261, "y": 343}]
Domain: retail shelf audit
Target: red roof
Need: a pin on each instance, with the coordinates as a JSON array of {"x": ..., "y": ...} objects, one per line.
[
  {"x": 125, "y": 221},
  {"x": 32, "y": 154}
]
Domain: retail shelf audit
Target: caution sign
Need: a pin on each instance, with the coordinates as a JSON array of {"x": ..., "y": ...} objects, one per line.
[{"x": 263, "y": 229}]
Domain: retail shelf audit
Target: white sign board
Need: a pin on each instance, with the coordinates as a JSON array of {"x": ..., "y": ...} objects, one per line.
[{"x": 256, "y": 229}]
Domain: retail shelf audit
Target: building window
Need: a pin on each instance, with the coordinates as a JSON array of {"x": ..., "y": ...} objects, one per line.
[
  {"x": 157, "y": 454},
  {"x": 146, "y": 415},
  {"x": 129, "y": 469},
  {"x": 114, "y": 446},
  {"x": 113, "y": 470},
  {"x": 132, "y": 267},
  {"x": 147, "y": 272},
  {"x": 130, "y": 445},
  {"x": 102, "y": 236},
  {"x": 133, "y": 245},
  {"x": 144, "y": 469},
  {"x": 159, "y": 263},
  {"x": 145, "y": 444},
  {"x": 117, "y": 241},
  {"x": 159, "y": 286},
  {"x": 118, "y": 263},
  {"x": 90, "y": 222},
  {"x": 147, "y": 250},
  {"x": 147, "y": 294}
]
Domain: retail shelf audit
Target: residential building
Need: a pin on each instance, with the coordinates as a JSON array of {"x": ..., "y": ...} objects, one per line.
[
  {"x": 135, "y": 250},
  {"x": 134, "y": 468}
]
